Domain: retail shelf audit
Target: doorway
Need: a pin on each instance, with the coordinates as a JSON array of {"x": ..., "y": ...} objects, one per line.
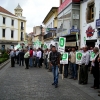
[{"x": 91, "y": 43}]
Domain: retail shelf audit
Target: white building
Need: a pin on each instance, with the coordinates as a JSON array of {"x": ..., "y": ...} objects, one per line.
[
  {"x": 90, "y": 23},
  {"x": 50, "y": 22},
  {"x": 12, "y": 27}
]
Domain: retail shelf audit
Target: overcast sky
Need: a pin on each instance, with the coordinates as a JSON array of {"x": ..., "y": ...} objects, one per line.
[{"x": 34, "y": 10}]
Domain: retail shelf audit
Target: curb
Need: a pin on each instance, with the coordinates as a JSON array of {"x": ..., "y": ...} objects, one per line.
[{"x": 5, "y": 63}]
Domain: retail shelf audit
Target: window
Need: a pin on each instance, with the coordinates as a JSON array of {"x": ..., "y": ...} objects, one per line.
[
  {"x": 22, "y": 25},
  {"x": 51, "y": 24},
  {"x": 12, "y": 47},
  {"x": 3, "y": 32},
  {"x": 21, "y": 36},
  {"x": 90, "y": 12},
  {"x": 3, "y": 47},
  {"x": 3, "y": 20},
  {"x": 12, "y": 33},
  {"x": 12, "y": 22}
]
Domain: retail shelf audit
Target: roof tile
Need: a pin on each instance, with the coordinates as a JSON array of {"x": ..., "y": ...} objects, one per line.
[{"x": 3, "y": 10}]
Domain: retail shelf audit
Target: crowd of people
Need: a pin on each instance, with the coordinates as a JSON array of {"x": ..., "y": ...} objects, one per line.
[{"x": 50, "y": 58}]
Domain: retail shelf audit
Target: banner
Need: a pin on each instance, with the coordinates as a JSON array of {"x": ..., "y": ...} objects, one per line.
[
  {"x": 17, "y": 47},
  {"x": 64, "y": 58},
  {"x": 79, "y": 57},
  {"x": 45, "y": 46},
  {"x": 37, "y": 44}
]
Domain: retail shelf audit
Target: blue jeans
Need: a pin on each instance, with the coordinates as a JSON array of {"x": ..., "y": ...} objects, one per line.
[
  {"x": 55, "y": 74},
  {"x": 31, "y": 61},
  {"x": 74, "y": 70},
  {"x": 37, "y": 62}
]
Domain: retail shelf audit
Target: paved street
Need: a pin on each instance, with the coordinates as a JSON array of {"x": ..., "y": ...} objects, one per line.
[{"x": 35, "y": 84}]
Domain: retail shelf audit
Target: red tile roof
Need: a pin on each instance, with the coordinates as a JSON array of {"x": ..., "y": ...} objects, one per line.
[{"x": 5, "y": 11}]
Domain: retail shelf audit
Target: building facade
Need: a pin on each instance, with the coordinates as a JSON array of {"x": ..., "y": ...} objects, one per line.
[
  {"x": 38, "y": 32},
  {"x": 69, "y": 21},
  {"x": 90, "y": 23},
  {"x": 11, "y": 30},
  {"x": 50, "y": 23}
]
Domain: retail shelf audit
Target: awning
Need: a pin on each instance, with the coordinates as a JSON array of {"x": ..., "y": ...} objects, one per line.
[{"x": 70, "y": 44}]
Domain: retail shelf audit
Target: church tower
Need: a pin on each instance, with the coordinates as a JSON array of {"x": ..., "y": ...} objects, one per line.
[{"x": 18, "y": 11}]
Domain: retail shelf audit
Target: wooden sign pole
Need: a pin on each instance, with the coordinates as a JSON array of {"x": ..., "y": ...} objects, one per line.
[{"x": 63, "y": 72}]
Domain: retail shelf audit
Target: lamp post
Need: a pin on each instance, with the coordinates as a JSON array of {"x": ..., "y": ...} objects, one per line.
[{"x": 41, "y": 32}]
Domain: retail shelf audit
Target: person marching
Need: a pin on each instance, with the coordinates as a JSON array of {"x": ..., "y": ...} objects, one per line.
[
  {"x": 31, "y": 57},
  {"x": 54, "y": 62},
  {"x": 73, "y": 64},
  {"x": 45, "y": 54},
  {"x": 26, "y": 57},
  {"x": 49, "y": 67},
  {"x": 17, "y": 56},
  {"x": 21, "y": 58},
  {"x": 12, "y": 56},
  {"x": 83, "y": 74},
  {"x": 38, "y": 57},
  {"x": 95, "y": 68},
  {"x": 34, "y": 57}
]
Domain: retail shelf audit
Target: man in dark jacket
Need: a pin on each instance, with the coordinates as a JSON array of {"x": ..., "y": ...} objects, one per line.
[
  {"x": 54, "y": 62},
  {"x": 21, "y": 58}
]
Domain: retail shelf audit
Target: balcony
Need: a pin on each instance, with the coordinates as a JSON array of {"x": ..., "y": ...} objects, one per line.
[
  {"x": 48, "y": 35},
  {"x": 21, "y": 17}
]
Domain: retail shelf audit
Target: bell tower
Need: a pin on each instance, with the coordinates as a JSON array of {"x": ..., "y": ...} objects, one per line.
[{"x": 18, "y": 11}]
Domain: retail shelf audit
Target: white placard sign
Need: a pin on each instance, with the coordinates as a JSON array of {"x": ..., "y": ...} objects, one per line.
[
  {"x": 61, "y": 46},
  {"x": 79, "y": 57},
  {"x": 64, "y": 58}
]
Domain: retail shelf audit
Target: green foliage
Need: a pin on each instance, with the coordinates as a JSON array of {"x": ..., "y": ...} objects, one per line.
[
  {"x": 3, "y": 51},
  {"x": 3, "y": 60},
  {"x": 4, "y": 56}
]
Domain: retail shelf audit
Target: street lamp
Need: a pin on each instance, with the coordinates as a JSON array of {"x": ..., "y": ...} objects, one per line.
[
  {"x": 40, "y": 33},
  {"x": 41, "y": 29}
]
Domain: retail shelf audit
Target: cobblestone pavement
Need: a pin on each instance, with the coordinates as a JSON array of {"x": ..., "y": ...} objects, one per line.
[{"x": 35, "y": 84}]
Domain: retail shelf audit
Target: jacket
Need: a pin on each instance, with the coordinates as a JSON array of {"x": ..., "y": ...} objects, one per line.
[{"x": 54, "y": 58}]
